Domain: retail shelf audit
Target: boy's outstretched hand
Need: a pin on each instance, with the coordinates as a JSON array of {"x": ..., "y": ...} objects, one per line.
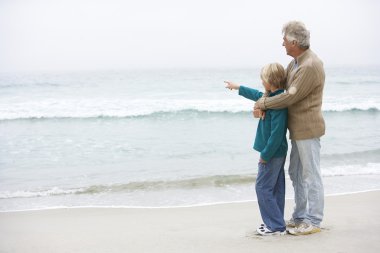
[{"x": 231, "y": 85}]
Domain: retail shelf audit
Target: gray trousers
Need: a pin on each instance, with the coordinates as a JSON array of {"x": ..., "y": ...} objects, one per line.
[{"x": 305, "y": 174}]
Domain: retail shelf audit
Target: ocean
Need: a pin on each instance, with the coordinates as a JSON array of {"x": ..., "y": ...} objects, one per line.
[{"x": 164, "y": 138}]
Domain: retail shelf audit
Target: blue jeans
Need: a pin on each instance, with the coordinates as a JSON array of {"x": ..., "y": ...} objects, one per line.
[
  {"x": 270, "y": 190},
  {"x": 305, "y": 173}
]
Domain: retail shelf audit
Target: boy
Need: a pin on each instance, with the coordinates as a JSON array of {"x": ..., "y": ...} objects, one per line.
[{"x": 271, "y": 142}]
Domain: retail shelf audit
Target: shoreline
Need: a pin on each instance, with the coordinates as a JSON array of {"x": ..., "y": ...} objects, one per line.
[
  {"x": 170, "y": 207},
  {"x": 351, "y": 222}
]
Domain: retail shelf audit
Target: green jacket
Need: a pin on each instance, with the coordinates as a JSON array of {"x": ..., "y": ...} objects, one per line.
[{"x": 270, "y": 138}]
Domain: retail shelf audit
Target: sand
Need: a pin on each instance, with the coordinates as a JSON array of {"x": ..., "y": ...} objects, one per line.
[{"x": 351, "y": 224}]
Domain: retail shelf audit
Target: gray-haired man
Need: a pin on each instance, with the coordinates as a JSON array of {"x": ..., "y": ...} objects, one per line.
[{"x": 305, "y": 82}]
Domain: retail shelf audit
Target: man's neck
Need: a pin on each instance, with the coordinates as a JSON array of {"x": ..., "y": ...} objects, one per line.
[{"x": 298, "y": 52}]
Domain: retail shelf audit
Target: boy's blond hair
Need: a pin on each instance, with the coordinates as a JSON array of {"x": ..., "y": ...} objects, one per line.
[{"x": 274, "y": 74}]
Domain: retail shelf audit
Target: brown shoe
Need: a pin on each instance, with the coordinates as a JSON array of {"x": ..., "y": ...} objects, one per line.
[
  {"x": 290, "y": 223},
  {"x": 304, "y": 229}
]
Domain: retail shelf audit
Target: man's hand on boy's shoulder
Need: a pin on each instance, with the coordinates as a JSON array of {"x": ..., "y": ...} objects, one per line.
[{"x": 258, "y": 113}]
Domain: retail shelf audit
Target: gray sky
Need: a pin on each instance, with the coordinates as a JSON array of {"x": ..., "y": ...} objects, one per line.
[{"x": 122, "y": 34}]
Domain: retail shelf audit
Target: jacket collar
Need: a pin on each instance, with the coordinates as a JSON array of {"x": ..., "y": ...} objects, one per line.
[
  {"x": 303, "y": 56},
  {"x": 279, "y": 91}
]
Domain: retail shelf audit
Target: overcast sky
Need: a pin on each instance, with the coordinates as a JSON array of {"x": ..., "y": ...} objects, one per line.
[{"x": 122, "y": 34}]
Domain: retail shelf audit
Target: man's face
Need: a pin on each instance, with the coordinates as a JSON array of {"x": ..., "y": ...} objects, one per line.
[{"x": 288, "y": 46}]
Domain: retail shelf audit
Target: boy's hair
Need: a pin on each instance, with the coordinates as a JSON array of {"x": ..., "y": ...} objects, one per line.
[{"x": 274, "y": 74}]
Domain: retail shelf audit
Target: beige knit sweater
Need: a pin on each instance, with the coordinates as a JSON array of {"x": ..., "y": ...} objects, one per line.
[{"x": 303, "y": 97}]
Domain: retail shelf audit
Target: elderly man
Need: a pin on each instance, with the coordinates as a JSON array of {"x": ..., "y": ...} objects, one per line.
[{"x": 305, "y": 81}]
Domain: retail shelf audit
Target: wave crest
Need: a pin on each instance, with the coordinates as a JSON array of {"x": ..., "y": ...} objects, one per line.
[
  {"x": 211, "y": 181},
  {"x": 217, "y": 181},
  {"x": 49, "y": 109}
]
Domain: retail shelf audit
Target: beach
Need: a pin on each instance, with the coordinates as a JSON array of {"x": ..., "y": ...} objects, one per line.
[
  {"x": 118, "y": 133},
  {"x": 351, "y": 224},
  {"x": 162, "y": 161}
]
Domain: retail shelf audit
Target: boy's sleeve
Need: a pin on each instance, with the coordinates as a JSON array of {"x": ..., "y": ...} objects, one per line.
[
  {"x": 250, "y": 93},
  {"x": 278, "y": 132}
]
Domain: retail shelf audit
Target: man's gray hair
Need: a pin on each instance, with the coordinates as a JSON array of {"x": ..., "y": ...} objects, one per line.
[{"x": 296, "y": 30}]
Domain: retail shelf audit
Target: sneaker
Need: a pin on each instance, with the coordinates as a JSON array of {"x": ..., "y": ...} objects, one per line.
[
  {"x": 264, "y": 231},
  {"x": 304, "y": 229},
  {"x": 261, "y": 226},
  {"x": 290, "y": 223}
]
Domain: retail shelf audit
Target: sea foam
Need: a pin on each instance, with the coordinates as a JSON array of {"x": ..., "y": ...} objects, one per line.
[{"x": 95, "y": 108}]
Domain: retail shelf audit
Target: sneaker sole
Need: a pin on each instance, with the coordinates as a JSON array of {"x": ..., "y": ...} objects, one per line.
[{"x": 273, "y": 234}]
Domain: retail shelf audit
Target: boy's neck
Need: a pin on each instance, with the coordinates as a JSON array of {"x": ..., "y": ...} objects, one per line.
[{"x": 273, "y": 89}]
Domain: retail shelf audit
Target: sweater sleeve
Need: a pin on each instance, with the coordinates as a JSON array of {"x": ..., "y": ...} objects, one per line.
[
  {"x": 303, "y": 84},
  {"x": 278, "y": 132},
  {"x": 250, "y": 93}
]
